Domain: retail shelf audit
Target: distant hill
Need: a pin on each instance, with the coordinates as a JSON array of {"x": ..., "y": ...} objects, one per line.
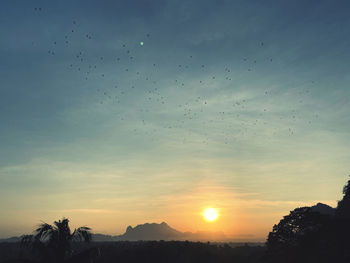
[
  {"x": 102, "y": 238},
  {"x": 162, "y": 231},
  {"x": 10, "y": 239},
  {"x": 151, "y": 231}
]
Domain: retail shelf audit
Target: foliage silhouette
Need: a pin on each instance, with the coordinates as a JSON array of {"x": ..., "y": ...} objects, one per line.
[
  {"x": 286, "y": 242},
  {"x": 53, "y": 243},
  {"x": 156, "y": 252},
  {"x": 342, "y": 224},
  {"x": 306, "y": 235},
  {"x": 343, "y": 208}
]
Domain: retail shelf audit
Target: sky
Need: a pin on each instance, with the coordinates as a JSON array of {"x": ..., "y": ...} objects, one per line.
[{"x": 117, "y": 113}]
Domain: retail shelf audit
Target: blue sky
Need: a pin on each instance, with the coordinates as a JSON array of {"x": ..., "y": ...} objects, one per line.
[{"x": 241, "y": 105}]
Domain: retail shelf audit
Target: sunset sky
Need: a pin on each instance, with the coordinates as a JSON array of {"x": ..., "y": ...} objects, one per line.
[{"x": 241, "y": 106}]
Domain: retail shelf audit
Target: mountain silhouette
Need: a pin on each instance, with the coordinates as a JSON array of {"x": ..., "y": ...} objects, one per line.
[
  {"x": 151, "y": 231},
  {"x": 162, "y": 231}
]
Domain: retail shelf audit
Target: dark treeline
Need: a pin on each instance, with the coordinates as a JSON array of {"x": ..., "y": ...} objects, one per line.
[
  {"x": 318, "y": 234},
  {"x": 147, "y": 251}
]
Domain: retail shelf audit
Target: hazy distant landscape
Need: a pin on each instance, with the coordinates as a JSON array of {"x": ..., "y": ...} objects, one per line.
[
  {"x": 308, "y": 234},
  {"x": 162, "y": 231},
  {"x": 157, "y": 232}
]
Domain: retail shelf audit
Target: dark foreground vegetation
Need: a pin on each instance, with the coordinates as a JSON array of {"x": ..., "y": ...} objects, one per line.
[
  {"x": 148, "y": 251},
  {"x": 305, "y": 235}
]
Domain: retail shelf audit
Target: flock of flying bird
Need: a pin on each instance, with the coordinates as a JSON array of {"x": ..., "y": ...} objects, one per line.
[{"x": 164, "y": 103}]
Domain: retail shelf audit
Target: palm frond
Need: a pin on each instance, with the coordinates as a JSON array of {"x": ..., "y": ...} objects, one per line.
[
  {"x": 54, "y": 241},
  {"x": 32, "y": 242},
  {"x": 83, "y": 234},
  {"x": 43, "y": 231},
  {"x": 26, "y": 240},
  {"x": 63, "y": 227}
]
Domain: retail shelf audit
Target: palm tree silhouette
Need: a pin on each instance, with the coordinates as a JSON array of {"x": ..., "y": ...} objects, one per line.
[{"x": 52, "y": 243}]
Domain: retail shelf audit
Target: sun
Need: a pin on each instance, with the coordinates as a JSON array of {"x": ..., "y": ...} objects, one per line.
[{"x": 210, "y": 214}]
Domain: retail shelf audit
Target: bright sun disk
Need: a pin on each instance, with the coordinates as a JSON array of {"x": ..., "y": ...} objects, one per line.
[{"x": 210, "y": 214}]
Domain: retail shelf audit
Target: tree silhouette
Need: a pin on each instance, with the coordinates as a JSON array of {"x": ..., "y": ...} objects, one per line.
[
  {"x": 286, "y": 242},
  {"x": 342, "y": 224},
  {"x": 308, "y": 236},
  {"x": 52, "y": 243},
  {"x": 343, "y": 209}
]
